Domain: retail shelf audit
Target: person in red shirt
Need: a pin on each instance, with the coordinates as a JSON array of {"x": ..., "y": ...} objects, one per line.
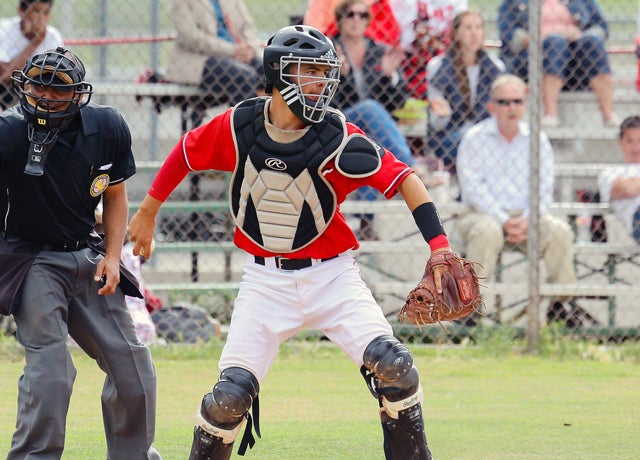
[
  {"x": 383, "y": 27},
  {"x": 294, "y": 160}
]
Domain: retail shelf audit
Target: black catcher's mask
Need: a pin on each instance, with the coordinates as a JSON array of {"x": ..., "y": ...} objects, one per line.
[
  {"x": 291, "y": 47},
  {"x": 63, "y": 72}
]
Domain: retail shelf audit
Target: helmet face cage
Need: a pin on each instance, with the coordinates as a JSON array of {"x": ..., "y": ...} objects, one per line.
[
  {"x": 314, "y": 105},
  {"x": 59, "y": 69},
  {"x": 285, "y": 53}
]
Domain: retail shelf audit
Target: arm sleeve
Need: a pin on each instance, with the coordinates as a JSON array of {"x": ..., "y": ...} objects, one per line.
[
  {"x": 207, "y": 147},
  {"x": 173, "y": 170}
]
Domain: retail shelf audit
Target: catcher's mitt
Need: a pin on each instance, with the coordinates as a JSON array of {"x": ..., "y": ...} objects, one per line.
[{"x": 460, "y": 292}]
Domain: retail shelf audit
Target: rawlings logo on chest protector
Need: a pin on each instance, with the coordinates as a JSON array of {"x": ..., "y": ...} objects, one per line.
[{"x": 275, "y": 163}]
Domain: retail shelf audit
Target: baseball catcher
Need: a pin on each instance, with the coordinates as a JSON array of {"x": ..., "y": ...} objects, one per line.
[
  {"x": 294, "y": 160},
  {"x": 458, "y": 297}
]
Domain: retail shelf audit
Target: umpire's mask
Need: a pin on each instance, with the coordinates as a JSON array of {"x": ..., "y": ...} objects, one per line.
[{"x": 52, "y": 90}]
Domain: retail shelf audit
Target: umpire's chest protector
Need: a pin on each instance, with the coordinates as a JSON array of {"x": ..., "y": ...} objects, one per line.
[{"x": 278, "y": 196}]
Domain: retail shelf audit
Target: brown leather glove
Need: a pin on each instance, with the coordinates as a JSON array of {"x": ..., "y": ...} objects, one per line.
[{"x": 460, "y": 292}]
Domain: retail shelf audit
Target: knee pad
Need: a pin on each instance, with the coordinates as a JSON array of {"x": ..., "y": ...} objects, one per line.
[
  {"x": 223, "y": 410},
  {"x": 387, "y": 358},
  {"x": 393, "y": 378}
]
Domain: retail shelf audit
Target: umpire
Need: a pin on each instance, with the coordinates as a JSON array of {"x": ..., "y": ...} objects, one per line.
[{"x": 59, "y": 156}]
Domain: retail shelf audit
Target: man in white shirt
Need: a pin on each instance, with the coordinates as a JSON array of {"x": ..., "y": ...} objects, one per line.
[
  {"x": 620, "y": 186},
  {"x": 22, "y": 37},
  {"x": 493, "y": 173}
]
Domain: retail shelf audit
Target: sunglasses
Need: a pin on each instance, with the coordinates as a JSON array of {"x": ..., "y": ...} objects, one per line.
[
  {"x": 506, "y": 102},
  {"x": 353, "y": 14}
]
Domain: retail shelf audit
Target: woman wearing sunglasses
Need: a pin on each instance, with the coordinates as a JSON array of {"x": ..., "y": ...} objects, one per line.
[{"x": 383, "y": 26}]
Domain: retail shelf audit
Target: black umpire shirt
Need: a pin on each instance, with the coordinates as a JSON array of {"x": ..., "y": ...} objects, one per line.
[{"x": 58, "y": 207}]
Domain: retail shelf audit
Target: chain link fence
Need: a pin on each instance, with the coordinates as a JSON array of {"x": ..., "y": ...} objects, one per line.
[{"x": 419, "y": 104}]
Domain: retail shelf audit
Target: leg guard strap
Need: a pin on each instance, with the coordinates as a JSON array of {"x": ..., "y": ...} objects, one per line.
[
  {"x": 393, "y": 407},
  {"x": 227, "y": 436},
  {"x": 247, "y": 438}
]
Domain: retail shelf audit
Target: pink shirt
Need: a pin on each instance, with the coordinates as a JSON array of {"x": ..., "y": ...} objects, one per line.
[{"x": 555, "y": 17}]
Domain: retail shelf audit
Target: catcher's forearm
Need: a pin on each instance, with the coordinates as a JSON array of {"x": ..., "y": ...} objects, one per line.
[{"x": 429, "y": 224}]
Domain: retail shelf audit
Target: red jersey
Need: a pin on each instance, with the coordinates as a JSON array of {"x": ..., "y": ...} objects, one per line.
[{"x": 213, "y": 147}]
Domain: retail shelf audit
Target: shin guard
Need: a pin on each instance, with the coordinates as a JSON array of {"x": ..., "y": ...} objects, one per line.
[
  {"x": 392, "y": 378},
  {"x": 222, "y": 414},
  {"x": 211, "y": 442},
  {"x": 205, "y": 446},
  {"x": 404, "y": 436}
]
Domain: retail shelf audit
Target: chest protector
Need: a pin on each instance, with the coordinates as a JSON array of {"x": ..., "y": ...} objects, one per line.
[{"x": 278, "y": 196}]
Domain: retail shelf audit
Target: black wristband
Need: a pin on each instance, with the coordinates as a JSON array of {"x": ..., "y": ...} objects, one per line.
[{"x": 428, "y": 221}]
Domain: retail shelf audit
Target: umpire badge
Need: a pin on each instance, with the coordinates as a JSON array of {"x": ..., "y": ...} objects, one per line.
[{"x": 99, "y": 185}]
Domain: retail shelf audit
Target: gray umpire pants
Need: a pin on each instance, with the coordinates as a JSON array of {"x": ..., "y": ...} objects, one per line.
[{"x": 60, "y": 298}]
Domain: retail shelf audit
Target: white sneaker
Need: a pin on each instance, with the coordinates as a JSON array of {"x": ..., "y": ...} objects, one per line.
[{"x": 550, "y": 121}]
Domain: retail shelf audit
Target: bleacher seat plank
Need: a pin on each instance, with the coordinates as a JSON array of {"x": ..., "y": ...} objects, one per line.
[{"x": 145, "y": 89}]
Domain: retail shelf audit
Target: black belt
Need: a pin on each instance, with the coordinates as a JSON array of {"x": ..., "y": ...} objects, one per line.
[
  {"x": 57, "y": 247},
  {"x": 66, "y": 247},
  {"x": 291, "y": 264}
]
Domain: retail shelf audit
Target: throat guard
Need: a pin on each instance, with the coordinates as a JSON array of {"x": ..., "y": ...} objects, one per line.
[{"x": 40, "y": 144}]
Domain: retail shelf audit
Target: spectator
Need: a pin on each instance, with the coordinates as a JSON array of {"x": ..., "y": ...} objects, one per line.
[
  {"x": 217, "y": 48},
  {"x": 371, "y": 87},
  {"x": 573, "y": 51},
  {"x": 620, "y": 186},
  {"x": 428, "y": 33},
  {"x": 493, "y": 173},
  {"x": 21, "y": 37},
  {"x": 59, "y": 155},
  {"x": 459, "y": 86},
  {"x": 383, "y": 26}
]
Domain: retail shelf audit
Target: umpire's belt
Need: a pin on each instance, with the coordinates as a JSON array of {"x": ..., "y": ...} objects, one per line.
[
  {"x": 66, "y": 247},
  {"x": 289, "y": 264},
  {"x": 57, "y": 247}
]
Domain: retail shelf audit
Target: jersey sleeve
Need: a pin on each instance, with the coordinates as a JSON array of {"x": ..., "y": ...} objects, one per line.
[
  {"x": 124, "y": 164},
  {"x": 390, "y": 174},
  {"x": 210, "y": 146}
]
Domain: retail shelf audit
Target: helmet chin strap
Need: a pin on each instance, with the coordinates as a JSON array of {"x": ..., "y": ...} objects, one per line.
[{"x": 41, "y": 143}]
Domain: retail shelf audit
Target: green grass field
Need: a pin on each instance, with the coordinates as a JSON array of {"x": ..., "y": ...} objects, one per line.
[{"x": 574, "y": 401}]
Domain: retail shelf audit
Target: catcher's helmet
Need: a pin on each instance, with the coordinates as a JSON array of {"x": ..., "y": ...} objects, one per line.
[
  {"x": 59, "y": 69},
  {"x": 285, "y": 51}
]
